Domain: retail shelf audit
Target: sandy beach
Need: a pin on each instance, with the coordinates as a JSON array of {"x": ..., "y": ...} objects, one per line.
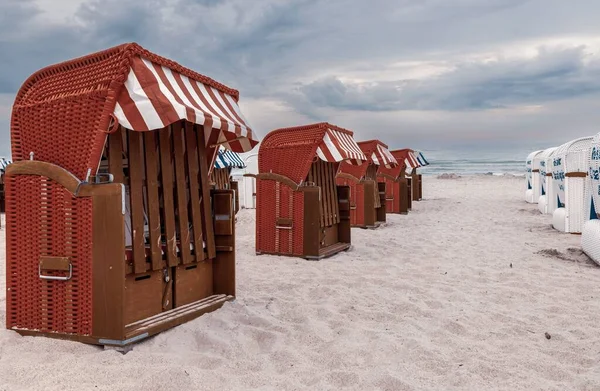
[{"x": 457, "y": 295}]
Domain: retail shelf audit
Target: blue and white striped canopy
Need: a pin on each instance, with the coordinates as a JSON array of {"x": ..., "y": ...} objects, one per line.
[
  {"x": 421, "y": 159},
  {"x": 227, "y": 158},
  {"x": 3, "y": 163}
]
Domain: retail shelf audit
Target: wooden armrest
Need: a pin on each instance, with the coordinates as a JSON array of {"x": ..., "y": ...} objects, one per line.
[{"x": 61, "y": 176}]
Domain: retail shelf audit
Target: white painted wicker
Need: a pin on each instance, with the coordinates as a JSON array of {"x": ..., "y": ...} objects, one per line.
[
  {"x": 539, "y": 173},
  {"x": 570, "y": 158},
  {"x": 547, "y": 201},
  {"x": 529, "y": 192},
  {"x": 590, "y": 235},
  {"x": 550, "y": 197}
]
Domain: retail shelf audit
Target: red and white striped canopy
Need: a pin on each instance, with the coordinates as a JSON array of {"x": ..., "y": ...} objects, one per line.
[
  {"x": 337, "y": 146},
  {"x": 156, "y": 96},
  {"x": 382, "y": 156},
  {"x": 411, "y": 161}
]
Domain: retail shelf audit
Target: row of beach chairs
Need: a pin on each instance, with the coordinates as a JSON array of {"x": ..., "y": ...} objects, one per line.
[
  {"x": 565, "y": 183},
  {"x": 120, "y": 208}
]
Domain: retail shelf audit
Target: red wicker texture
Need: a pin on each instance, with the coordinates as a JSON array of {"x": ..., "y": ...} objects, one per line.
[
  {"x": 61, "y": 113},
  {"x": 43, "y": 219},
  {"x": 291, "y": 151},
  {"x": 273, "y": 201}
]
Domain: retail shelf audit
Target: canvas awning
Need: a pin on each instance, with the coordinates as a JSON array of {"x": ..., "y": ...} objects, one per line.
[
  {"x": 156, "y": 96},
  {"x": 411, "y": 161},
  {"x": 383, "y": 157},
  {"x": 4, "y": 163},
  {"x": 420, "y": 158},
  {"x": 228, "y": 159},
  {"x": 337, "y": 146}
]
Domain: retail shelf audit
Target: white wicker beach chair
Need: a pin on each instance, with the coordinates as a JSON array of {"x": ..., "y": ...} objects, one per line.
[
  {"x": 529, "y": 177},
  {"x": 570, "y": 167},
  {"x": 539, "y": 174},
  {"x": 547, "y": 201},
  {"x": 590, "y": 234}
]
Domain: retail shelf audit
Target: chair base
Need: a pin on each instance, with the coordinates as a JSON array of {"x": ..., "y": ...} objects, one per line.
[
  {"x": 324, "y": 252},
  {"x": 590, "y": 240},
  {"x": 559, "y": 220},
  {"x": 529, "y": 197},
  {"x": 144, "y": 328},
  {"x": 376, "y": 225}
]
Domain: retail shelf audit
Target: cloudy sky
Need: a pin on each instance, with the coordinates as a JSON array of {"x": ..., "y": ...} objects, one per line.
[{"x": 431, "y": 74}]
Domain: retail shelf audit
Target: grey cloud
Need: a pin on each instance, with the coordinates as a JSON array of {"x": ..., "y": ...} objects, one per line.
[
  {"x": 265, "y": 47},
  {"x": 551, "y": 75}
]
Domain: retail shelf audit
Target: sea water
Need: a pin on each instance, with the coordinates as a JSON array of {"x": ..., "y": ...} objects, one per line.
[{"x": 475, "y": 161}]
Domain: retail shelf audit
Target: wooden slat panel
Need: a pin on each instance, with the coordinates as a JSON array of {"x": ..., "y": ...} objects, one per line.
[
  {"x": 153, "y": 200},
  {"x": 330, "y": 187},
  {"x": 209, "y": 233},
  {"x": 193, "y": 169},
  {"x": 317, "y": 172},
  {"x": 325, "y": 193},
  {"x": 182, "y": 197},
  {"x": 336, "y": 205},
  {"x": 115, "y": 155},
  {"x": 166, "y": 172},
  {"x": 136, "y": 188}
]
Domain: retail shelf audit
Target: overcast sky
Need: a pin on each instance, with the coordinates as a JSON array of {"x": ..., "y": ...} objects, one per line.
[{"x": 430, "y": 74}]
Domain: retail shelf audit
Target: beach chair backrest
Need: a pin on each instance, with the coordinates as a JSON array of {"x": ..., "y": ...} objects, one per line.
[{"x": 322, "y": 174}]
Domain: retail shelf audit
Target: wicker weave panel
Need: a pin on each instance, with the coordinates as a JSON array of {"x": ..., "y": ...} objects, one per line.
[
  {"x": 43, "y": 219},
  {"x": 275, "y": 200}
]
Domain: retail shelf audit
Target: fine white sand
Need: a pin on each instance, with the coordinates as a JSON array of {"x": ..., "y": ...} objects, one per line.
[{"x": 428, "y": 301}]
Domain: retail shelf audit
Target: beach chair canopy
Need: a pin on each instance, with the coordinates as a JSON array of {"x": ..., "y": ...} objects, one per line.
[
  {"x": 568, "y": 160},
  {"x": 543, "y": 160},
  {"x": 541, "y": 157},
  {"x": 62, "y": 113},
  {"x": 420, "y": 158},
  {"x": 4, "y": 162},
  {"x": 291, "y": 151},
  {"x": 228, "y": 159},
  {"x": 377, "y": 154}
]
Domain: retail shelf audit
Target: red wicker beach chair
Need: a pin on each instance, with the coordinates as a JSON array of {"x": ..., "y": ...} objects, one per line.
[
  {"x": 414, "y": 181},
  {"x": 113, "y": 233},
  {"x": 367, "y": 195},
  {"x": 397, "y": 195},
  {"x": 300, "y": 211}
]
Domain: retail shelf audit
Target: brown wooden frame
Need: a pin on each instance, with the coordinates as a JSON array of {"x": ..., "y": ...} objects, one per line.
[{"x": 167, "y": 174}]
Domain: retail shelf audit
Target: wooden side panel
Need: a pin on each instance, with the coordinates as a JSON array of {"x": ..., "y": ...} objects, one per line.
[
  {"x": 344, "y": 207},
  {"x": 108, "y": 268},
  {"x": 403, "y": 194},
  {"x": 381, "y": 215},
  {"x": 312, "y": 222},
  {"x": 153, "y": 199},
  {"x": 235, "y": 187},
  {"x": 136, "y": 190},
  {"x": 409, "y": 192},
  {"x": 369, "y": 202},
  {"x": 224, "y": 265},
  {"x": 415, "y": 186}
]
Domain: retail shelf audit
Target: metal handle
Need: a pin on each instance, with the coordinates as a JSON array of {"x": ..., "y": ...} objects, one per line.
[{"x": 56, "y": 278}]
